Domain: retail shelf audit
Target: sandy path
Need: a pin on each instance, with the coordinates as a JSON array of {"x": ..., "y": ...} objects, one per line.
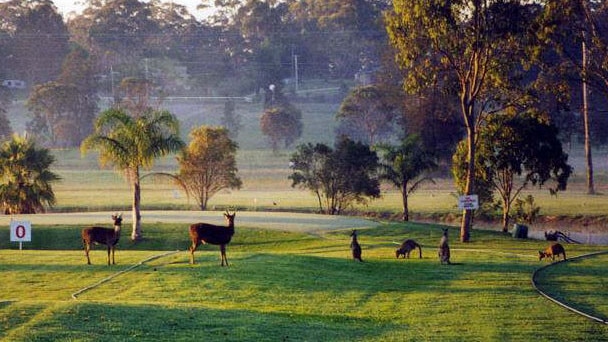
[{"x": 296, "y": 222}]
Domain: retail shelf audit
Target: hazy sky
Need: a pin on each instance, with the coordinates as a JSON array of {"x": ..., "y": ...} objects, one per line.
[{"x": 67, "y": 6}]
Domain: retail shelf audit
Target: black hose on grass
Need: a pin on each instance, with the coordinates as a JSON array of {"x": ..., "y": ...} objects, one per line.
[{"x": 542, "y": 293}]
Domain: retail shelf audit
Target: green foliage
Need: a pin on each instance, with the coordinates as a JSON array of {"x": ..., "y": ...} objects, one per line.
[
  {"x": 338, "y": 177},
  {"x": 62, "y": 113},
  {"x": 27, "y": 180},
  {"x": 526, "y": 210},
  {"x": 404, "y": 166},
  {"x": 367, "y": 114},
  {"x": 208, "y": 164},
  {"x": 281, "y": 123},
  {"x": 512, "y": 153}
]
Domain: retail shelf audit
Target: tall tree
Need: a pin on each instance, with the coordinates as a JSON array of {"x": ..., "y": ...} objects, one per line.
[
  {"x": 64, "y": 110},
  {"x": 577, "y": 30},
  {"x": 281, "y": 122},
  {"x": 472, "y": 46},
  {"x": 515, "y": 151},
  {"x": 208, "y": 164},
  {"x": 406, "y": 167},
  {"x": 38, "y": 40},
  {"x": 130, "y": 143},
  {"x": 367, "y": 114},
  {"x": 26, "y": 186}
]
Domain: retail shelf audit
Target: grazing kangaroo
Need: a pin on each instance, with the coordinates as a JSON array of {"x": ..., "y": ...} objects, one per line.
[
  {"x": 215, "y": 235},
  {"x": 355, "y": 247},
  {"x": 406, "y": 247},
  {"x": 444, "y": 248},
  {"x": 102, "y": 236},
  {"x": 554, "y": 250}
]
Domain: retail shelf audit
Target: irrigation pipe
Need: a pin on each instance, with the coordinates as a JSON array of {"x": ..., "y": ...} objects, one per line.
[
  {"x": 542, "y": 293},
  {"x": 130, "y": 268}
]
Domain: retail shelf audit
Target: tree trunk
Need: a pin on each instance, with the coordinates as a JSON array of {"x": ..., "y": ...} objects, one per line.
[
  {"x": 406, "y": 211},
  {"x": 506, "y": 207},
  {"x": 467, "y": 217},
  {"x": 590, "y": 186},
  {"x": 136, "y": 233}
]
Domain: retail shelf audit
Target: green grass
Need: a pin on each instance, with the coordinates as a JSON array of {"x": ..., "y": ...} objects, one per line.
[{"x": 286, "y": 286}]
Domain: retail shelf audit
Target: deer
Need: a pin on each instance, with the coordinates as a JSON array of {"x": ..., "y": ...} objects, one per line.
[
  {"x": 216, "y": 235},
  {"x": 444, "y": 248},
  {"x": 355, "y": 247},
  {"x": 406, "y": 247},
  {"x": 554, "y": 250},
  {"x": 102, "y": 236}
]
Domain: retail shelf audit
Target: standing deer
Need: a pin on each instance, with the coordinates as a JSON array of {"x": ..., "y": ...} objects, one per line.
[
  {"x": 215, "y": 235},
  {"x": 406, "y": 247},
  {"x": 102, "y": 236},
  {"x": 444, "y": 248},
  {"x": 355, "y": 247}
]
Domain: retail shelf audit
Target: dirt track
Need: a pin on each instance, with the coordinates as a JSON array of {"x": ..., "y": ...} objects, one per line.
[{"x": 268, "y": 220}]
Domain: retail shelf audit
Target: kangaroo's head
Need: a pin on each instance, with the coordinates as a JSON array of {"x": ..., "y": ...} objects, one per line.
[
  {"x": 541, "y": 255},
  {"x": 354, "y": 233}
]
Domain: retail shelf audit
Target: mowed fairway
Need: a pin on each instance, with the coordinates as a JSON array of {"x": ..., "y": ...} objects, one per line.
[{"x": 293, "y": 284}]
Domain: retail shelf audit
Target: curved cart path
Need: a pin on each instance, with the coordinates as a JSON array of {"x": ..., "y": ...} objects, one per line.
[{"x": 296, "y": 222}]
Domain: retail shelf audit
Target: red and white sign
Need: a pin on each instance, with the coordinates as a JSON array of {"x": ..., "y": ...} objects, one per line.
[
  {"x": 21, "y": 231},
  {"x": 468, "y": 202}
]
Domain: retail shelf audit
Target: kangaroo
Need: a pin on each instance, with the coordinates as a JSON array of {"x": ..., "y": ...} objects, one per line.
[
  {"x": 552, "y": 251},
  {"x": 355, "y": 247},
  {"x": 406, "y": 247},
  {"x": 444, "y": 248}
]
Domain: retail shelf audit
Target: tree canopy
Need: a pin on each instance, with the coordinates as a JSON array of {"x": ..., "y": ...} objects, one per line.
[
  {"x": 338, "y": 177},
  {"x": 208, "y": 164},
  {"x": 515, "y": 151},
  {"x": 26, "y": 185}
]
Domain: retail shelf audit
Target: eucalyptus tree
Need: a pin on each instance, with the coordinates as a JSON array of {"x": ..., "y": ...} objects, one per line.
[
  {"x": 37, "y": 40},
  {"x": 26, "y": 185},
  {"x": 406, "y": 167},
  {"x": 130, "y": 143},
  {"x": 63, "y": 110},
  {"x": 577, "y": 30},
  {"x": 367, "y": 114},
  {"x": 472, "y": 47}
]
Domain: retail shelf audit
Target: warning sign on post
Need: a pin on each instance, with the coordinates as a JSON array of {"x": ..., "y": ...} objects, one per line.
[
  {"x": 21, "y": 231},
  {"x": 468, "y": 202}
]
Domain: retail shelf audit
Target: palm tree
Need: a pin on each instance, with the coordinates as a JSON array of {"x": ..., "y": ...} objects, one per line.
[
  {"x": 26, "y": 179},
  {"x": 130, "y": 143},
  {"x": 404, "y": 166}
]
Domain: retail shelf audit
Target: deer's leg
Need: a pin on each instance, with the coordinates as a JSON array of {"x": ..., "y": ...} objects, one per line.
[
  {"x": 223, "y": 254},
  {"x": 193, "y": 248},
  {"x": 109, "y": 248},
  {"x": 87, "y": 247},
  {"x": 113, "y": 250}
]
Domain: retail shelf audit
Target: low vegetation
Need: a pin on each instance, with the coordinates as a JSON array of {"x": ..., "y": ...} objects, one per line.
[{"x": 285, "y": 286}]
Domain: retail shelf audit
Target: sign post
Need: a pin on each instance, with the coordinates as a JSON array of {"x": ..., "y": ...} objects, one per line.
[
  {"x": 21, "y": 231},
  {"x": 468, "y": 202}
]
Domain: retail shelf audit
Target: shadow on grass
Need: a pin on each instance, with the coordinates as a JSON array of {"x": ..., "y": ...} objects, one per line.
[{"x": 118, "y": 322}]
